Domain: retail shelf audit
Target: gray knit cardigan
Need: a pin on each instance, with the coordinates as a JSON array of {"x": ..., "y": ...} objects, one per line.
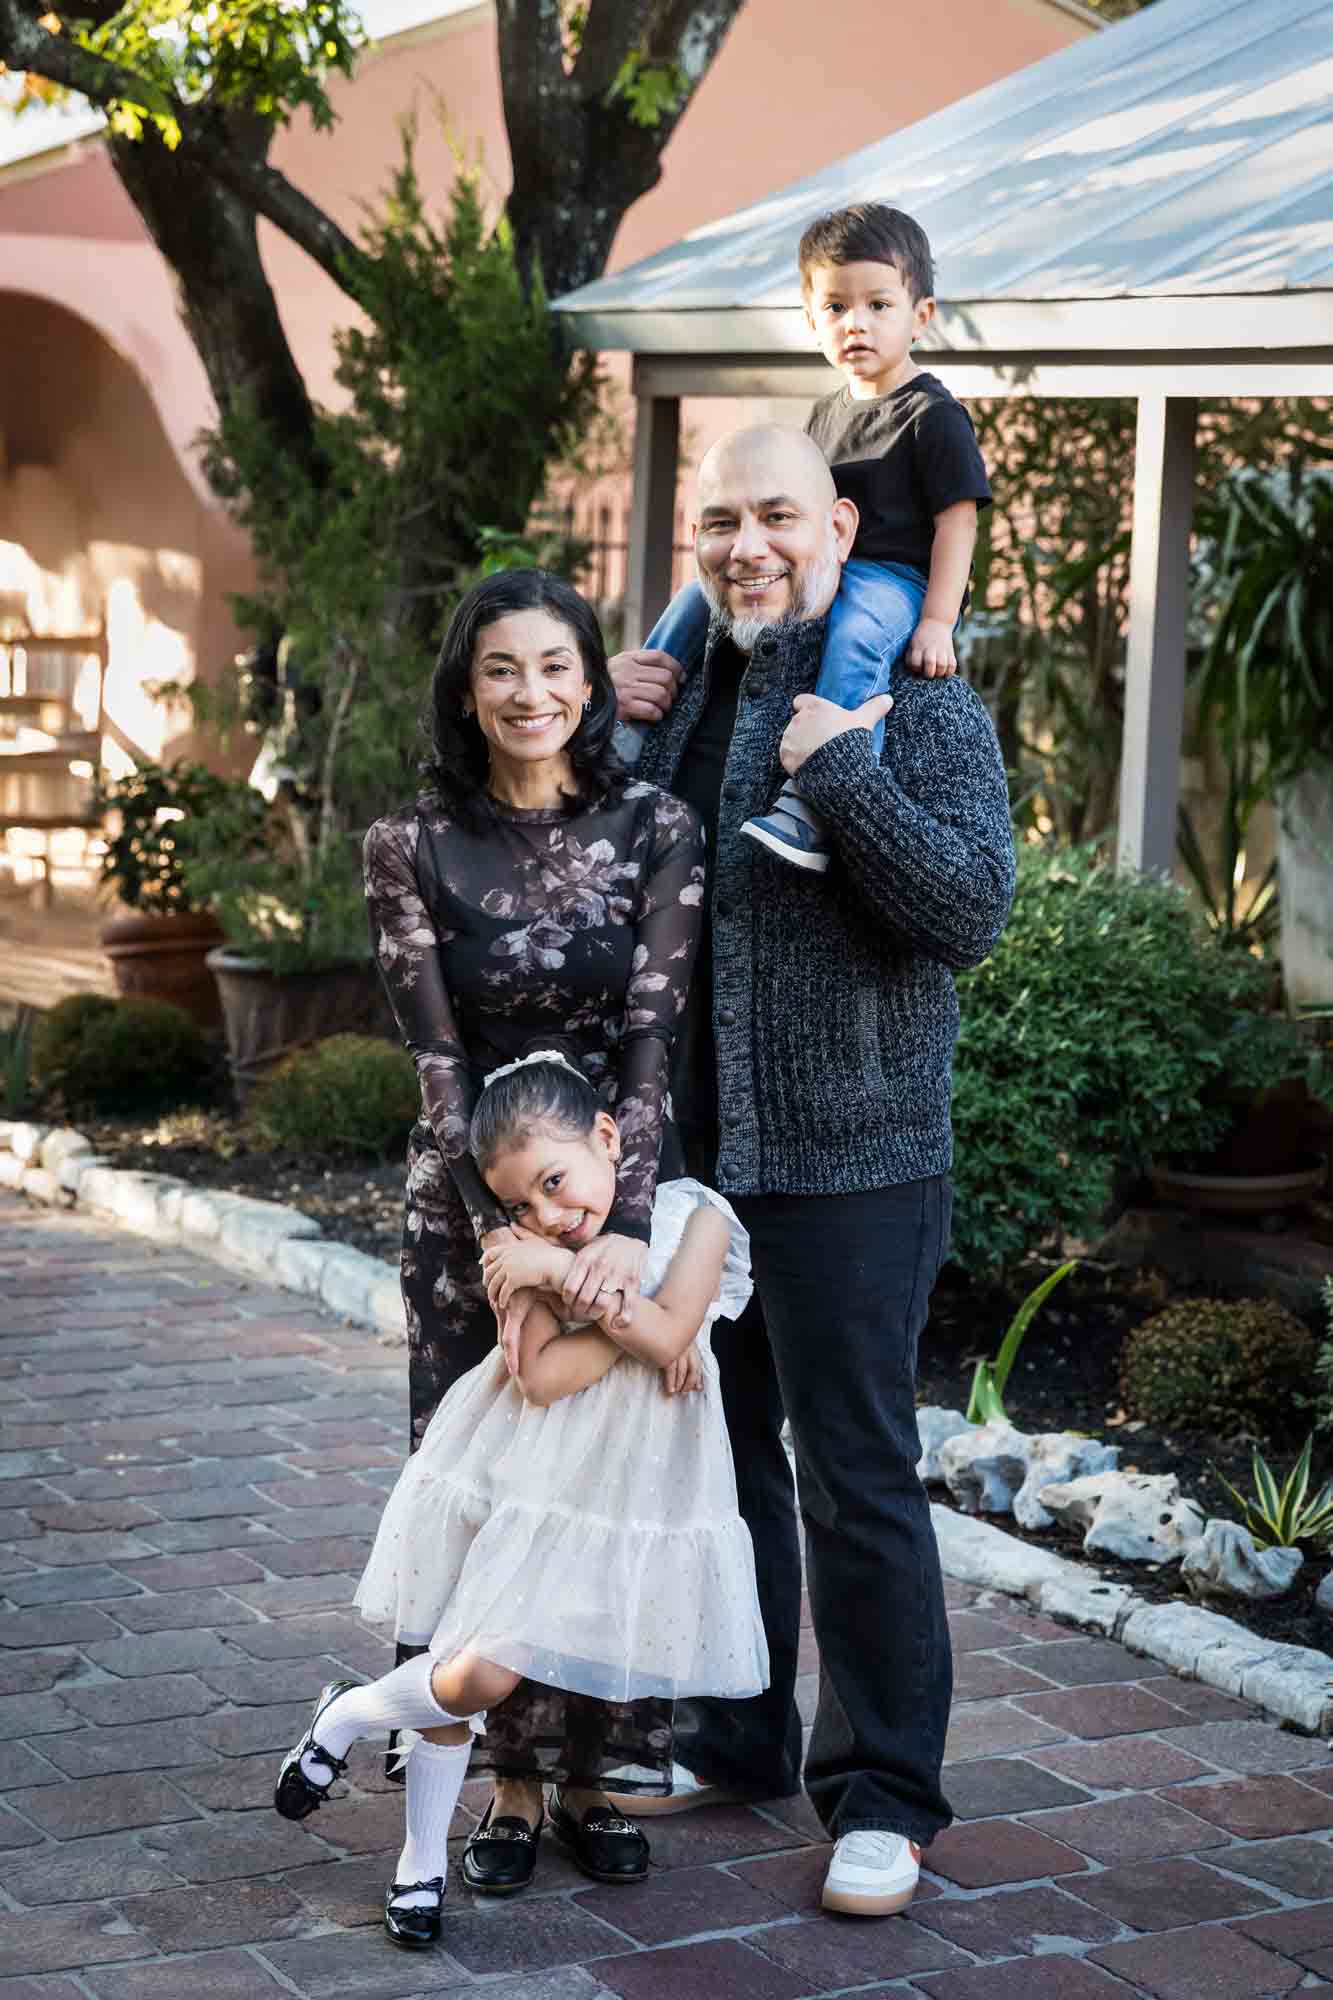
[{"x": 833, "y": 997}]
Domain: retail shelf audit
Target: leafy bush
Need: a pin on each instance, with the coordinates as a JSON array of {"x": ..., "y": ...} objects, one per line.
[
  {"x": 156, "y": 806},
  {"x": 1217, "y": 1364},
  {"x": 120, "y": 1055},
  {"x": 17, "y": 1088},
  {"x": 348, "y": 1094},
  {"x": 1321, "y": 1403},
  {"x": 1108, "y": 1026}
]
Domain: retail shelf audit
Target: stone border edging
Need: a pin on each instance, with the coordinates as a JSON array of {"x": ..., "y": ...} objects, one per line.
[
  {"x": 1293, "y": 1683},
  {"x": 262, "y": 1239}
]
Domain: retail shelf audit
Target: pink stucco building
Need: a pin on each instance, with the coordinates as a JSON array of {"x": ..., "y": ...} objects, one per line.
[{"x": 105, "y": 520}]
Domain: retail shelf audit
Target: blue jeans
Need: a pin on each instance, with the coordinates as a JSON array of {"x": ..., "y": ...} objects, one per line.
[{"x": 876, "y": 611}]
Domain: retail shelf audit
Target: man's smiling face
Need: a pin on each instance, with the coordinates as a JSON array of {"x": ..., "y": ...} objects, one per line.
[{"x": 772, "y": 535}]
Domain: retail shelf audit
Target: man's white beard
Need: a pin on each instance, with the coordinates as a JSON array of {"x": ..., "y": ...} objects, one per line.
[{"x": 812, "y": 591}]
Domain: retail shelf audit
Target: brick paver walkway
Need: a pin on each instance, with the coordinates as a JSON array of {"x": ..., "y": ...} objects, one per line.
[{"x": 190, "y": 1469}]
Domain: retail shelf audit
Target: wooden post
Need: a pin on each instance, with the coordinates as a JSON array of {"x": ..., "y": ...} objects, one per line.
[
  {"x": 1158, "y": 605},
  {"x": 652, "y": 522}
]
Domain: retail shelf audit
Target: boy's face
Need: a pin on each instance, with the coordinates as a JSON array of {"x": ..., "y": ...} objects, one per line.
[{"x": 865, "y": 320}]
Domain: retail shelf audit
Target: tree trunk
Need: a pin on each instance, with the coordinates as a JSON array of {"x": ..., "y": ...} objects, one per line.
[{"x": 210, "y": 241}]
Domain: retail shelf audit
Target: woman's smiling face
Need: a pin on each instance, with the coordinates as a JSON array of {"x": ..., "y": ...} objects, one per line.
[{"x": 528, "y": 687}]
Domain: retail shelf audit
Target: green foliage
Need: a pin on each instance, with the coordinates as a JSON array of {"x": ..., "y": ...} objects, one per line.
[
  {"x": 17, "y": 1090},
  {"x": 986, "y": 1405},
  {"x": 650, "y": 91},
  {"x": 120, "y": 1055},
  {"x": 361, "y": 564},
  {"x": 1045, "y": 643},
  {"x": 1267, "y": 679},
  {"x": 1222, "y": 1365},
  {"x": 348, "y": 1095},
  {"x": 156, "y": 805},
  {"x": 1283, "y": 1517},
  {"x": 1321, "y": 1403},
  {"x": 1109, "y": 1026},
  {"x": 271, "y": 55}
]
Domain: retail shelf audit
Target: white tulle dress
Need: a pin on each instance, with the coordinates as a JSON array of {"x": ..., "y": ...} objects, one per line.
[{"x": 595, "y": 1545}]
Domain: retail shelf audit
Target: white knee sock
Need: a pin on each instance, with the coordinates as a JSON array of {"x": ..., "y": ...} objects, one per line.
[
  {"x": 435, "y": 1774},
  {"x": 400, "y": 1699}
]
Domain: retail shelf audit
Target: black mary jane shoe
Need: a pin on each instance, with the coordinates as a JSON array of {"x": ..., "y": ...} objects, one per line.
[
  {"x": 417, "y": 1927},
  {"x": 501, "y": 1856},
  {"x": 295, "y": 1795},
  {"x": 604, "y": 1845}
]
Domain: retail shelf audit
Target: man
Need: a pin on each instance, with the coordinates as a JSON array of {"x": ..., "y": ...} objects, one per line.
[{"x": 812, "y": 1087}]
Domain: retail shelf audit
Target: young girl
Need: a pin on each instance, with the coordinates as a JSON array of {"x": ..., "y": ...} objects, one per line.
[{"x": 569, "y": 1522}]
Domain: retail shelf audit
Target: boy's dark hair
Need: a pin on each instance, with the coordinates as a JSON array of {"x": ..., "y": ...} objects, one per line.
[
  {"x": 515, "y": 1106},
  {"x": 870, "y": 233}
]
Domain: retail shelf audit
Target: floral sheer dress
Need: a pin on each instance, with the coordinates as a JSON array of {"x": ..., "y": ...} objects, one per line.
[{"x": 581, "y": 927}]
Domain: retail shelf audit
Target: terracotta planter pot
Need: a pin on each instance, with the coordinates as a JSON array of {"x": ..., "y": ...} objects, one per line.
[
  {"x": 1239, "y": 1194},
  {"x": 165, "y": 958},
  {"x": 268, "y": 1015}
]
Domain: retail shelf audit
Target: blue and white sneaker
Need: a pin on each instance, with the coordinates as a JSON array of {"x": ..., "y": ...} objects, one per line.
[{"x": 791, "y": 831}]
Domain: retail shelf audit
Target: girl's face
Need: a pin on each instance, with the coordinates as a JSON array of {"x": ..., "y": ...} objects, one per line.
[
  {"x": 528, "y": 686},
  {"x": 558, "y": 1186}
]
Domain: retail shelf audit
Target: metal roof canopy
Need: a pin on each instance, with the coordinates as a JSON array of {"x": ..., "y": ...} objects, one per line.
[{"x": 1146, "y": 213}]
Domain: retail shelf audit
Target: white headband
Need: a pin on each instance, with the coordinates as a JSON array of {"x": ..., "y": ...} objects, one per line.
[{"x": 537, "y": 1055}]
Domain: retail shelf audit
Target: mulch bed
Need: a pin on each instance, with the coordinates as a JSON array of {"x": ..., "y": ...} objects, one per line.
[{"x": 1066, "y": 1377}]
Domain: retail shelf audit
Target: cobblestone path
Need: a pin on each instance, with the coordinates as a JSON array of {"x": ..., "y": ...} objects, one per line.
[{"x": 190, "y": 1469}]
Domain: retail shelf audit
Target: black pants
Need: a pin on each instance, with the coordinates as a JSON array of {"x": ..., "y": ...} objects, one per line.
[{"x": 842, "y": 1288}]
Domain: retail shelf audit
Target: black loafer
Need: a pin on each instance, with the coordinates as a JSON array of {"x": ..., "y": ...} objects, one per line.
[
  {"x": 295, "y": 1795},
  {"x": 417, "y": 1927},
  {"x": 603, "y": 1844},
  {"x": 501, "y": 1856}
]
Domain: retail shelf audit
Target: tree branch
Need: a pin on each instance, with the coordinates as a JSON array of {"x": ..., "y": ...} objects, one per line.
[{"x": 207, "y": 137}]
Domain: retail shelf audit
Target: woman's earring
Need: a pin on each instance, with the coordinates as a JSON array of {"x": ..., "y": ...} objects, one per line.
[
  {"x": 467, "y": 710},
  {"x": 587, "y": 704}
]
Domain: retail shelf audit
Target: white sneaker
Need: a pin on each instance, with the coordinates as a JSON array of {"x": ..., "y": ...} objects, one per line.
[
  {"x": 872, "y": 1874},
  {"x": 687, "y": 1792}
]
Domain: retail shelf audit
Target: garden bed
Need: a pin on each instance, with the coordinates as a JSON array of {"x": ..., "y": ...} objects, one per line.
[
  {"x": 1067, "y": 1377},
  {"x": 360, "y": 1204}
]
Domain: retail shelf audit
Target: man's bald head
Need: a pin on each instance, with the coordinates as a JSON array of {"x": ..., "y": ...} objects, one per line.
[{"x": 772, "y": 534}]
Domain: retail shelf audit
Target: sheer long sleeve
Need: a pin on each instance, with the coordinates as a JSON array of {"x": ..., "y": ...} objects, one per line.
[
  {"x": 407, "y": 950},
  {"x": 666, "y": 939}
]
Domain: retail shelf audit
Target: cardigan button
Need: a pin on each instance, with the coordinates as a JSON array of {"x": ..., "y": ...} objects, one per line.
[
  {"x": 756, "y": 690},
  {"x": 725, "y": 1170},
  {"x": 726, "y": 1017},
  {"x": 767, "y": 646},
  {"x": 731, "y": 1119},
  {"x": 722, "y": 910}
]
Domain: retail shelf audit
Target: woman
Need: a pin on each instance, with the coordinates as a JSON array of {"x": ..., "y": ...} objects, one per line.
[{"x": 536, "y": 890}]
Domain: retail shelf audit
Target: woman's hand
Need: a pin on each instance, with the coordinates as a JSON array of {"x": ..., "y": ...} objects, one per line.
[
  {"x": 610, "y": 1263},
  {"x": 685, "y": 1373}
]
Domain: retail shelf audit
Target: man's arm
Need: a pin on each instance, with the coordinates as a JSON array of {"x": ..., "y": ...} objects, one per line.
[{"x": 926, "y": 835}]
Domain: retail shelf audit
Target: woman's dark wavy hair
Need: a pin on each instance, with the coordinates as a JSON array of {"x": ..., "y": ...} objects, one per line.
[
  {"x": 514, "y": 1107},
  {"x": 459, "y": 765}
]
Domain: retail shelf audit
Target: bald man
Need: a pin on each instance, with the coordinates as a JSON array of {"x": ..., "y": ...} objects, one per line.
[{"x": 811, "y": 1085}]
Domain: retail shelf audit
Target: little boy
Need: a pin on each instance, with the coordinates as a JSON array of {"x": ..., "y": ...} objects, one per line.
[{"x": 904, "y": 451}]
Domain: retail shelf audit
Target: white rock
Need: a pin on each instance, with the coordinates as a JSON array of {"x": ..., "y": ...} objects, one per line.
[
  {"x": 984, "y": 1467},
  {"x": 1323, "y": 1597},
  {"x": 387, "y": 1310},
  {"x": 934, "y": 1426},
  {"x": 1054, "y": 1458},
  {"x": 1137, "y": 1516},
  {"x": 347, "y": 1281},
  {"x": 25, "y": 1142},
  {"x": 975, "y": 1552},
  {"x": 1184, "y": 1636},
  {"x": 1084, "y": 1599},
  {"x": 7, "y": 1125},
  {"x": 1225, "y": 1562},
  {"x": 41, "y": 1184},
  {"x": 11, "y": 1170},
  {"x": 71, "y": 1171},
  {"x": 298, "y": 1263},
  {"x": 64, "y": 1143}
]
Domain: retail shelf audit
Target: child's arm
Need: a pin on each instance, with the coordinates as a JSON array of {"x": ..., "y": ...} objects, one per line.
[
  {"x": 930, "y": 650},
  {"x": 553, "y": 1364},
  {"x": 661, "y": 1328}
]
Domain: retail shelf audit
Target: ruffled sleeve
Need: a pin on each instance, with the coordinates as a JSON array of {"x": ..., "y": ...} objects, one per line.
[
  {"x": 670, "y": 918},
  {"x": 407, "y": 949},
  {"x": 737, "y": 1285}
]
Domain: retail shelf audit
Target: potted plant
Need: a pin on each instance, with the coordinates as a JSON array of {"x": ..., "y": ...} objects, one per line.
[
  {"x": 158, "y": 949},
  {"x": 1266, "y": 552}
]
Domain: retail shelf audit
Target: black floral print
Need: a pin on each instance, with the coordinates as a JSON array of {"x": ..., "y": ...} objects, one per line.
[{"x": 578, "y": 926}]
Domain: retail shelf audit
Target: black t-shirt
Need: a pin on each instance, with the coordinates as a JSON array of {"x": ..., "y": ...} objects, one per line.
[
  {"x": 699, "y": 782},
  {"x": 903, "y": 459}
]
